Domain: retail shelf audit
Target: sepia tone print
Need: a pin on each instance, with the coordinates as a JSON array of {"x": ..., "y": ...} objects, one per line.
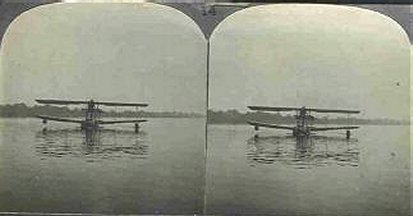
[{"x": 204, "y": 107}]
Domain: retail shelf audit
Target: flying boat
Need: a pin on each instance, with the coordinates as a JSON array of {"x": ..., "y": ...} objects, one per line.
[
  {"x": 92, "y": 120},
  {"x": 304, "y": 127}
]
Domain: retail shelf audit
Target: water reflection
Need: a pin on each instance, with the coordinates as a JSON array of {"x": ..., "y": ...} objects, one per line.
[
  {"x": 102, "y": 144},
  {"x": 303, "y": 153}
]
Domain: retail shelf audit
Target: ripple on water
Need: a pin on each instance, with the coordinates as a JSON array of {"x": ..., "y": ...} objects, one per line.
[
  {"x": 303, "y": 154},
  {"x": 104, "y": 144}
]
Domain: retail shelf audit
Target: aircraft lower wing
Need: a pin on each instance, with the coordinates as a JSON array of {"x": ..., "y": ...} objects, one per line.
[
  {"x": 275, "y": 109},
  {"x": 333, "y": 128},
  {"x": 60, "y": 102},
  {"x": 267, "y": 125},
  {"x": 123, "y": 121},
  {"x": 52, "y": 118}
]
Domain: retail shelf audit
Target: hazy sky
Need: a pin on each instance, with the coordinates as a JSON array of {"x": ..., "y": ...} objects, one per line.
[
  {"x": 315, "y": 56},
  {"x": 117, "y": 52},
  {"x": 281, "y": 55}
]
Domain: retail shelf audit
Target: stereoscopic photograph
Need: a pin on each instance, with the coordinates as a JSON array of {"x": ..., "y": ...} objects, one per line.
[
  {"x": 309, "y": 113},
  {"x": 204, "y": 108},
  {"x": 103, "y": 111}
]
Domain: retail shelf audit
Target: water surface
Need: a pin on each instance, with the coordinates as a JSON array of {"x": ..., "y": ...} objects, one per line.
[
  {"x": 328, "y": 175},
  {"x": 159, "y": 170}
]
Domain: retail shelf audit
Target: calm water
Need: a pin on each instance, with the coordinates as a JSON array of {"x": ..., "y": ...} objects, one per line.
[
  {"x": 327, "y": 175},
  {"x": 159, "y": 170}
]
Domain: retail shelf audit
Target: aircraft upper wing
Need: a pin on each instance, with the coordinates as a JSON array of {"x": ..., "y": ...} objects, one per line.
[
  {"x": 332, "y": 110},
  {"x": 267, "y": 108},
  {"x": 122, "y": 104},
  {"x": 333, "y": 128},
  {"x": 60, "y": 102},
  {"x": 77, "y": 102},
  {"x": 123, "y": 121},
  {"x": 51, "y": 118},
  {"x": 260, "y": 124}
]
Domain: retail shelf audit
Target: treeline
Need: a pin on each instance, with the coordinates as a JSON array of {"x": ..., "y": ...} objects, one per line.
[
  {"x": 236, "y": 117},
  {"x": 233, "y": 116},
  {"x": 21, "y": 110}
]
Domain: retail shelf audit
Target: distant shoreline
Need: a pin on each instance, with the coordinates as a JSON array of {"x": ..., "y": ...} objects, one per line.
[
  {"x": 234, "y": 117},
  {"x": 21, "y": 110},
  {"x": 370, "y": 124},
  {"x": 229, "y": 117},
  {"x": 131, "y": 117}
]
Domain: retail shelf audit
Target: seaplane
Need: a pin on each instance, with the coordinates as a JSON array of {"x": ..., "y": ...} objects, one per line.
[
  {"x": 304, "y": 120},
  {"x": 92, "y": 120}
]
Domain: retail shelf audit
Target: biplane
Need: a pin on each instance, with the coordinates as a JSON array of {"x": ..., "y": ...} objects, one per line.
[
  {"x": 304, "y": 120},
  {"x": 92, "y": 120}
]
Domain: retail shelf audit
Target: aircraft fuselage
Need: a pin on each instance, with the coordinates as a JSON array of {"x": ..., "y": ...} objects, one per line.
[
  {"x": 302, "y": 122},
  {"x": 92, "y": 115}
]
